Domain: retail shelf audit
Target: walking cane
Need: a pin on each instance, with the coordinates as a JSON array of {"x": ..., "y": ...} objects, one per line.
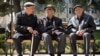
[{"x": 31, "y": 54}]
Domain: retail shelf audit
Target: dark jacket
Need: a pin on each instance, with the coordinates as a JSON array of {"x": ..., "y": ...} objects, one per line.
[
  {"x": 22, "y": 22},
  {"x": 46, "y": 25},
  {"x": 86, "y": 22}
]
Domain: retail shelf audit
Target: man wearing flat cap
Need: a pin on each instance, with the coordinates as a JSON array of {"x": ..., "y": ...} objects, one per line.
[
  {"x": 83, "y": 27},
  {"x": 26, "y": 25},
  {"x": 51, "y": 31}
]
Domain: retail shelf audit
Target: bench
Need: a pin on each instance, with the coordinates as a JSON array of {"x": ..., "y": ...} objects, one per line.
[{"x": 10, "y": 41}]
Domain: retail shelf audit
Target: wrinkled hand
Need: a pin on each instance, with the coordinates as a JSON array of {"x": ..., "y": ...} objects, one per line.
[
  {"x": 35, "y": 32},
  {"x": 53, "y": 30},
  {"x": 80, "y": 33},
  {"x": 32, "y": 31},
  {"x": 77, "y": 33}
]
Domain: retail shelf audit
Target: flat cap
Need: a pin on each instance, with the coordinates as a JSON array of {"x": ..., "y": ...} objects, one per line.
[
  {"x": 77, "y": 6},
  {"x": 50, "y": 6},
  {"x": 28, "y": 4}
]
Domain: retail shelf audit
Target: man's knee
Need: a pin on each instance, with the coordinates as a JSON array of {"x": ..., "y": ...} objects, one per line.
[
  {"x": 45, "y": 35},
  {"x": 63, "y": 36},
  {"x": 87, "y": 35},
  {"x": 72, "y": 35}
]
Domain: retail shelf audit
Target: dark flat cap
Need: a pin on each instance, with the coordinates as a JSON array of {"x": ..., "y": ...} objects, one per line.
[
  {"x": 50, "y": 6},
  {"x": 28, "y": 4},
  {"x": 77, "y": 6}
]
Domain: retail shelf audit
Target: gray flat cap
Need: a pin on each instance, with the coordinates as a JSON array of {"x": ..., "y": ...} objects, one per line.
[
  {"x": 77, "y": 6},
  {"x": 50, "y": 6},
  {"x": 28, "y": 4}
]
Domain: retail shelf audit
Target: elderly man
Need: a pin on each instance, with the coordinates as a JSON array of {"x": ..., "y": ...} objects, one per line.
[
  {"x": 25, "y": 26},
  {"x": 82, "y": 26},
  {"x": 51, "y": 31}
]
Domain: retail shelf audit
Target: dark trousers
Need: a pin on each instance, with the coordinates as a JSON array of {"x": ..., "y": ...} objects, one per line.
[
  {"x": 48, "y": 43},
  {"x": 18, "y": 45},
  {"x": 86, "y": 37}
]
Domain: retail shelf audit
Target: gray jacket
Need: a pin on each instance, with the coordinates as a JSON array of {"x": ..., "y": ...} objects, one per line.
[{"x": 86, "y": 22}]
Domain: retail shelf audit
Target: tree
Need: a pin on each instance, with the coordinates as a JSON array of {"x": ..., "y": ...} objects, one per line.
[
  {"x": 97, "y": 5},
  {"x": 58, "y": 4},
  {"x": 88, "y": 3},
  {"x": 30, "y": 0},
  {"x": 84, "y": 3},
  {"x": 4, "y": 8},
  {"x": 16, "y": 5},
  {"x": 49, "y": 1}
]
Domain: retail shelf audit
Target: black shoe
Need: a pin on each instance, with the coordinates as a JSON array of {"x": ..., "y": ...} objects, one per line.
[
  {"x": 20, "y": 55},
  {"x": 86, "y": 55},
  {"x": 74, "y": 55},
  {"x": 58, "y": 54},
  {"x": 51, "y": 54}
]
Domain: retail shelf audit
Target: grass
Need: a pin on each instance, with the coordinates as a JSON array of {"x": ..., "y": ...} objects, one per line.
[{"x": 97, "y": 35}]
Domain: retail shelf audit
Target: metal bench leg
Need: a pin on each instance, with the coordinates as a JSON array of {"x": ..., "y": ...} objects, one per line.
[
  {"x": 93, "y": 46},
  {"x": 6, "y": 53},
  {"x": 10, "y": 49}
]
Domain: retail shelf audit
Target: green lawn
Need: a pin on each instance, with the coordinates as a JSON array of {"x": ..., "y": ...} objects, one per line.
[{"x": 97, "y": 35}]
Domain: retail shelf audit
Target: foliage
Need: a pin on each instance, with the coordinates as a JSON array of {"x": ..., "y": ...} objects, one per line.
[
  {"x": 97, "y": 35},
  {"x": 17, "y": 7},
  {"x": 2, "y": 36},
  {"x": 4, "y": 8},
  {"x": 48, "y": 1},
  {"x": 87, "y": 3},
  {"x": 84, "y": 3},
  {"x": 97, "y": 4},
  {"x": 2, "y": 42}
]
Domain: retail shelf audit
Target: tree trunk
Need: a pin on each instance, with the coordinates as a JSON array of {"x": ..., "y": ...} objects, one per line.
[{"x": 17, "y": 7}]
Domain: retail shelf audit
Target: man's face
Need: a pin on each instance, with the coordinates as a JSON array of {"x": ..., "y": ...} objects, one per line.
[
  {"x": 30, "y": 9},
  {"x": 49, "y": 11},
  {"x": 78, "y": 11}
]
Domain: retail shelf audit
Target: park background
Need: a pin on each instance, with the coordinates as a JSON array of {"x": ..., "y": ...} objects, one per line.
[{"x": 64, "y": 10}]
